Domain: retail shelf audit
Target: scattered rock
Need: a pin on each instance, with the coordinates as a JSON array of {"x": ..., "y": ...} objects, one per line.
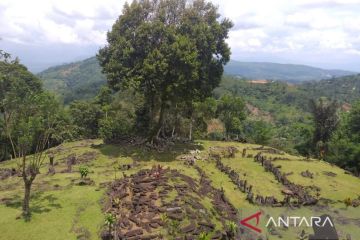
[
  {"x": 355, "y": 202},
  {"x": 7, "y": 172},
  {"x": 106, "y": 235},
  {"x": 125, "y": 167},
  {"x": 188, "y": 228},
  {"x": 51, "y": 170},
  {"x": 227, "y": 152},
  {"x": 307, "y": 174},
  {"x": 141, "y": 200},
  {"x": 330, "y": 174}
]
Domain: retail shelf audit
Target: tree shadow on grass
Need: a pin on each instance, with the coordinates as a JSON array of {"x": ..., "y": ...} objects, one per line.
[
  {"x": 39, "y": 203},
  {"x": 141, "y": 153}
]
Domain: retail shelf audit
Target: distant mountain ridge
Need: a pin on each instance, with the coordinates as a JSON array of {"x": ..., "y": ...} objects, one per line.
[
  {"x": 83, "y": 79},
  {"x": 282, "y": 72}
]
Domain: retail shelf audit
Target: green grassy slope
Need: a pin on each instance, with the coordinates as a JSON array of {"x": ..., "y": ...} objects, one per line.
[{"x": 63, "y": 210}]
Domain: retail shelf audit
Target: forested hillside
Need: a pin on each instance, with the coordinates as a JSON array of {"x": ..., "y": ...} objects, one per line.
[
  {"x": 78, "y": 80},
  {"x": 83, "y": 79},
  {"x": 282, "y": 109},
  {"x": 286, "y": 108},
  {"x": 345, "y": 89}
]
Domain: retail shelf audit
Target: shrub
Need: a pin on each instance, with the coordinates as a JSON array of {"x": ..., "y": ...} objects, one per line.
[
  {"x": 114, "y": 128},
  {"x": 164, "y": 219},
  {"x": 347, "y": 202},
  {"x": 231, "y": 229},
  {"x": 218, "y": 136},
  {"x": 84, "y": 171},
  {"x": 204, "y": 236},
  {"x": 110, "y": 220},
  {"x": 260, "y": 132},
  {"x": 85, "y": 117},
  {"x": 174, "y": 227}
]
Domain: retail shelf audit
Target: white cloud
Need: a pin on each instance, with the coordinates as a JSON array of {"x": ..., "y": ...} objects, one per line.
[
  {"x": 52, "y": 21},
  {"x": 314, "y": 26},
  {"x": 303, "y": 27}
]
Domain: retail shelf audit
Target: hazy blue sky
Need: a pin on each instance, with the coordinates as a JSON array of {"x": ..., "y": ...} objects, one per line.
[{"x": 322, "y": 33}]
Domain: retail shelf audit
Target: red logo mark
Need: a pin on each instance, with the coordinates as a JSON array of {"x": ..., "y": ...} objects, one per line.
[{"x": 245, "y": 220}]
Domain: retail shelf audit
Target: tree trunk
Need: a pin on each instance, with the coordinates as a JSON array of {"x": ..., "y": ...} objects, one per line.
[
  {"x": 51, "y": 158},
  {"x": 27, "y": 184},
  {"x": 26, "y": 202},
  {"x": 162, "y": 131},
  {"x": 190, "y": 128},
  {"x": 152, "y": 112},
  {"x": 173, "y": 132},
  {"x": 7, "y": 116},
  {"x": 156, "y": 130}
]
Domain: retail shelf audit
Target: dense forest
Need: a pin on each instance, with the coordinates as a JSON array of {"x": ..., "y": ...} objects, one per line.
[{"x": 283, "y": 104}]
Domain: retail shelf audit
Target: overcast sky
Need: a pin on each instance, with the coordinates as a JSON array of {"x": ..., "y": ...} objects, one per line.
[{"x": 322, "y": 33}]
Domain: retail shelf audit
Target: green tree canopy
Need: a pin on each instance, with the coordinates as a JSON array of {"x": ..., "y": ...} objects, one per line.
[
  {"x": 354, "y": 121},
  {"x": 344, "y": 145},
  {"x": 171, "y": 51},
  {"x": 17, "y": 85},
  {"x": 231, "y": 111},
  {"x": 326, "y": 119},
  {"x": 85, "y": 116}
]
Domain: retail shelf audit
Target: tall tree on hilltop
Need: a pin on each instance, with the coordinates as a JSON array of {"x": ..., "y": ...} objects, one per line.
[
  {"x": 170, "y": 50},
  {"x": 326, "y": 119}
]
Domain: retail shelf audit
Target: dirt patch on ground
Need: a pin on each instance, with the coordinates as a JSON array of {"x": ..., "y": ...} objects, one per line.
[
  {"x": 86, "y": 157},
  {"x": 259, "y": 81}
]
